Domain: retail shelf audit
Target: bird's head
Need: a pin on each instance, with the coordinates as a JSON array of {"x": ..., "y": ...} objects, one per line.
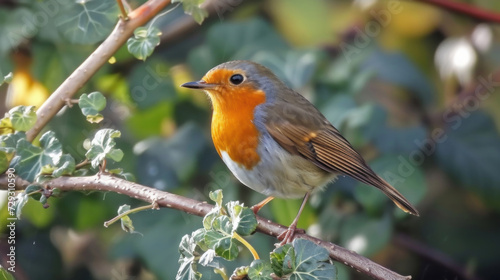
[{"x": 238, "y": 81}]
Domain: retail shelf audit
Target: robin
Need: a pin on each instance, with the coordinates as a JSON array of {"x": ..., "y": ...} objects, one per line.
[{"x": 276, "y": 142}]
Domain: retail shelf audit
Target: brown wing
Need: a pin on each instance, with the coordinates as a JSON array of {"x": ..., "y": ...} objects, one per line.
[{"x": 301, "y": 132}]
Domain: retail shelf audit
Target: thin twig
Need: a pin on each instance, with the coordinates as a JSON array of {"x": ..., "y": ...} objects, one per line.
[
  {"x": 131, "y": 211},
  {"x": 122, "y": 9},
  {"x": 106, "y": 182},
  {"x": 82, "y": 164},
  {"x": 118, "y": 37},
  {"x": 465, "y": 9}
]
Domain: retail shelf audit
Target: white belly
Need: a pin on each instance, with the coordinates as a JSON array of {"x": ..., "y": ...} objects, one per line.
[{"x": 279, "y": 174}]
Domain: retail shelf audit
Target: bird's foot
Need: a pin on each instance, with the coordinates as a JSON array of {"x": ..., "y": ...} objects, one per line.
[{"x": 289, "y": 235}]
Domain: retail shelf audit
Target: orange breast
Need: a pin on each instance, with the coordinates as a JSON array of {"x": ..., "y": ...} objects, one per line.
[{"x": 233, "y": 130}]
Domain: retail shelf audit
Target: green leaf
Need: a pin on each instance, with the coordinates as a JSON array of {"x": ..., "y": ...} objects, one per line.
[
  {"x": 305, "y": 260},
  {"x": 278, "y": 264},
  {"x": 32, "y": 189},
  {"x": 126, "y": 222},
  {"x": 31, "y": 160},
  {"x": 145, "y": 40},
  {"x": 23, "y": 118},
  {"x": 209, "y": 218},
  {"x": 5, "y": 274},
  {"x": 260, "y": 270},
  {"x": 103, "y": 146},
  {"x": 193, "y": 8},
  {"x": 66, "y": 166},
  {"x": 87, "y": 22},
  {"x": 188, "y": 260},
  {"x": 21, "y": 200},
  {"x": 91, "y": 105},
  {"x": 220, "y": 238},
  {"x": 243, "y": 218},
  {"x": 216, "y": 196},
  {"x": 6, "y": 126},
  {"x": 10, "y": 140},
  {"x": 469, "y": 150},
  {"x": 6, "y": 155},
  {"x": 311, "y": 261}
]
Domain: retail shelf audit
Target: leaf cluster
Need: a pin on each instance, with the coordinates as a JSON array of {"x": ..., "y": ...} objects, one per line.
[{"x": 219, "y": 239}]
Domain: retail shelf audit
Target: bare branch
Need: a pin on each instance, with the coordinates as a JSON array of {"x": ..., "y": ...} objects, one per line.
[
  {"x": 118, "y": 37},
  {"x": 109, "y": 183},
  {"x": 465, "y": 9}
]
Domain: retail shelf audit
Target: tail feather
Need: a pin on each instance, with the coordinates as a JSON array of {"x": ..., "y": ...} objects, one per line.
[{"x": 397, "y": 197}]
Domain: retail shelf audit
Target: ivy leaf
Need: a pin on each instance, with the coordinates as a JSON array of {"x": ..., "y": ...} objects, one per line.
[
  {"x": 103, "y": 146},
  {"x": 126, "y": 222},
  {"x": 145, "y": 40},
  {"x": 21, "y": 200},
  {"x": 34, "y": 191},
  {"x": 6, "y": 126},
  {"x": 22, "y": 117},
  {"x": 220, "y": 238},
  {"x": 216, "y": 196},
  {"x": 243, "y": 218},
  {"x": 66, "y": 166},
  {"x": 209, "y": 218},
  {"x": 278, "y": 264},
  {"x": 6, "y": 155},
  {"x": 87, "y": 22},
  {"x": 91, "y": 105},
  {"x": 188, "y": 260},
  {"x": 193, "y": 8},
  {"x": 10, "y": 140},
  {"x": 306, "y": 260},
  {"x": 31, "y": 160},
  {"x": 260, "y": 270}
]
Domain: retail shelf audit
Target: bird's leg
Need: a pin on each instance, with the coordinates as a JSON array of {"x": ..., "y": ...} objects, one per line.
[
  {"x": 287, "y": 236},
  {"x": 261, "y": 204}
]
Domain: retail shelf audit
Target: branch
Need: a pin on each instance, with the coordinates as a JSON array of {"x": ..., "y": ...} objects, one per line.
[
  {"x": 104, "y": 182},
  {"x": 118, "y": 37},
  {"x": 465, "y": 9}
]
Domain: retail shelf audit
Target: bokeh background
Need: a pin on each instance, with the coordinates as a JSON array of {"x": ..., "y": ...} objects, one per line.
[{"x": 413, "y": 87}]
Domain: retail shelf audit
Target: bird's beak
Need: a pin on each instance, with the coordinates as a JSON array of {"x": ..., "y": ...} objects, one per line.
[{"x": 199, "y": 85}]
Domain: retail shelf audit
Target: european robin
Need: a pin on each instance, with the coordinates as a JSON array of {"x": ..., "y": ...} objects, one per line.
[{"x": 275, "y": 141}]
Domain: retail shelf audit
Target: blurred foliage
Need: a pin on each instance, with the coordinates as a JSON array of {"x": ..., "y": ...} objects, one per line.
[{"x": 412, "y": 87}]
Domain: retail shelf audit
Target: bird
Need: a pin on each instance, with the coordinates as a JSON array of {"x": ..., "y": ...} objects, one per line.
[{"x": 278, "y": 143}]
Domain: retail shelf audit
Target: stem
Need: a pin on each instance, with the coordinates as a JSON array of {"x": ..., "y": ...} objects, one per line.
[
  {"x": 222, "y": 273},
  {"x": 122, "y": 9},
  {"x": 465, "y": 9},
  {"x": 131, "y": 211},
  {"x": 82, "y": 164},
  {"x": 105, "y": 182},
  {"x": 246, "y": 244}
]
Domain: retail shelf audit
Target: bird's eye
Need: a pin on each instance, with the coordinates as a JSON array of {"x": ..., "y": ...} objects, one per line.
[{"x": 236, "y": 79}]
